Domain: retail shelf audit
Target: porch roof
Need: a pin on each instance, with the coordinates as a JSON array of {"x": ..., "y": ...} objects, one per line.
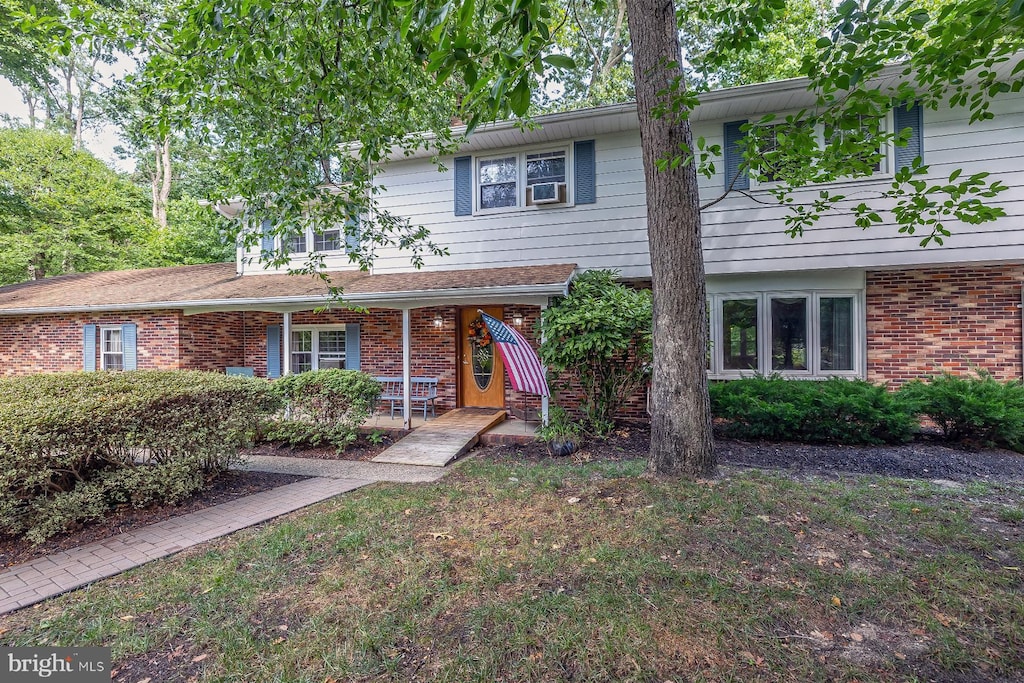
[{"x": 216, "y": 286}]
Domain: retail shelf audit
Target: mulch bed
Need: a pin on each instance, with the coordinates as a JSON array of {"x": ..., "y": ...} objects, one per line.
[
  {"x": 923, "y": 459},
  {"x": 228, "y": 486},
  {"x": 362, "y": 450}
]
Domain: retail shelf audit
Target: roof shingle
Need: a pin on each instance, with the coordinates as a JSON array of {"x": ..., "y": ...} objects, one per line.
[{"x": 218, "y": 282}]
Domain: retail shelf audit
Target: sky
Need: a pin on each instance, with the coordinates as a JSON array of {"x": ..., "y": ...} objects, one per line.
[{"x": 100, "y": 140}]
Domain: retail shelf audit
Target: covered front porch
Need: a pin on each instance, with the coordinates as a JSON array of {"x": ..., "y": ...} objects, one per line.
[{"x": 413, "y": 335}]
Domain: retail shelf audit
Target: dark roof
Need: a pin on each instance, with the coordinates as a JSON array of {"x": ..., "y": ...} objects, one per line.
[{"x": 218, "y": 283}]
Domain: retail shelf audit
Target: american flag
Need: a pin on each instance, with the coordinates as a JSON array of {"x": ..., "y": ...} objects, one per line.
[{"x": 521, "y": 363}]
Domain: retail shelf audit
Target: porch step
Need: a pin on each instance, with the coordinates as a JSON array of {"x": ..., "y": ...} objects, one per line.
[{"x": 440, "y": 441}]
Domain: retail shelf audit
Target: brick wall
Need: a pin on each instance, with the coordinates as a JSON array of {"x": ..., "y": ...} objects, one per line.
[
  {"x": 380, "y": 343},
  {"x": 53, "y": 342},
  {"x": 958, "y": 320},
  {"x": 213, "y": 341}
]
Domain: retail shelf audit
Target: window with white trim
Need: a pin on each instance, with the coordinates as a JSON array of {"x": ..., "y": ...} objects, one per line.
[
  {"x": 111, "y": 349},
  {"x": 317, "y": 348},
  {"x": 775, "y": 169},
  {"x": 328, "y": 240},
  {"x": 815, "y": 333},
  {"x": 296, "y": 244},
  {"x": 498, "y": 182},
  {"x": 532, "y": 178}
]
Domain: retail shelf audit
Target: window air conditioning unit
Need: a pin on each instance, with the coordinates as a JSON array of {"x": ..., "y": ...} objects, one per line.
[{"x": 546, "y": 193}]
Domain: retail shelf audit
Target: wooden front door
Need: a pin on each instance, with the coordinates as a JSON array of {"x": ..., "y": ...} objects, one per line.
[{"x": 481, "y": 372}]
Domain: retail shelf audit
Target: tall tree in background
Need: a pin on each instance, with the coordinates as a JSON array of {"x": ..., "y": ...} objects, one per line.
[
  {"x": 68, "y": 212},
  {"x": 596, "y": 37}
]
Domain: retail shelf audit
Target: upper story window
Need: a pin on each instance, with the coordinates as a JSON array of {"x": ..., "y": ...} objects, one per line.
[
  {"x": 296, "y": 244},
  {"x": 331, "y": 240},
  {"x": 890, "y": 158},
  {"x": 519, "y": 180},
  {"x": 857, "y": 134},
  {"x": 499, "y": 182},
  {"x": 545, "y": 178},
  {"x": 557, "y": 176},
  {"x": 328, "y": 240}
]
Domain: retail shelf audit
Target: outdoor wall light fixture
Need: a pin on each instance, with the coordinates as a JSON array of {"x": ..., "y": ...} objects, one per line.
[
  {"x": 438, "y": 321},
  {"x": 517, "y": 318}
]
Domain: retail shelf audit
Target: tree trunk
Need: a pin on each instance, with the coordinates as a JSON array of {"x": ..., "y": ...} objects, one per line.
[
  {"x": 161, "y": 181},
  {"x": 681, "y": 439}
]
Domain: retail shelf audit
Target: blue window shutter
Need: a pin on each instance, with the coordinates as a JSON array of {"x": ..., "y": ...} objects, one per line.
[
  {"x": 734, "y": 156},
  {"x": 129, "y": 345},
  {"x": 352, "y": 238},
  {"x": 912, "y": 118},
  {"x": 585, "y": 159},
  {"x": 273, "y": 351},
  {"x": 352, "y": 346},
  {"x": 267, "y": 241},
  {"x": 89, "y": 348},
  {"x": 464, "y": 186}
]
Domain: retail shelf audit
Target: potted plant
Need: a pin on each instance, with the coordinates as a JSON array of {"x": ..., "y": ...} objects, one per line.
[{"x": 561, "y": 433}]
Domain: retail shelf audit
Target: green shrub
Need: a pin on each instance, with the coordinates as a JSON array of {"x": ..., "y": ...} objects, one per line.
[
  {"x": 979, "y": 410},
  {"x": 832, "y": 411},
  {"x": 600, "y": 336},
  {"x": 324, "y": 406},
  {"x": 74, "y": 445}
]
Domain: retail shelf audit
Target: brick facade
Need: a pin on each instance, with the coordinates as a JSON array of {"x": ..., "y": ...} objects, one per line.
[
  {"x": 212, "y": 341},
  {"x": 959, "y": 320},
  {"x": 919, "y": 322},
  {"x": 53, "y": 342}
]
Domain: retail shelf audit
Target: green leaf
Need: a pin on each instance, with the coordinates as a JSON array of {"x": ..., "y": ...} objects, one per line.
[{"x": 560, "y": 61}]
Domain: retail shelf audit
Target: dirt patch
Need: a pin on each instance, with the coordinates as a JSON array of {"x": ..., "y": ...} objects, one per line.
[
  {"x": 362, "y": 450},
  {"x": 174, "y": 662},
  {"x": 228, "y": 486},
  {"x": 917, "y": 460}
]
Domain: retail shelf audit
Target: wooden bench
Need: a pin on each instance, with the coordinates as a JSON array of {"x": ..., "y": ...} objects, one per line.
[{"x": 422, "y": 390}]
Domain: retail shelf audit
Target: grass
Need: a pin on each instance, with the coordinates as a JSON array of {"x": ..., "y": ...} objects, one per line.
[{"x": 584, "y": 573}]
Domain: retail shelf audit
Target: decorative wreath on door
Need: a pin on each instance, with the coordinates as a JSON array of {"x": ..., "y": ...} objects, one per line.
[{"x": 479, "y": 336}]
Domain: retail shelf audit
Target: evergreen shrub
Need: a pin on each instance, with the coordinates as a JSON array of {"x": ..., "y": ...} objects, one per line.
[
  {"x": 830, "y": 411},
  {"x": 979, "y": 410},
  {"x": 324, "y": 406},
  {"x": 75, "y": 445}
]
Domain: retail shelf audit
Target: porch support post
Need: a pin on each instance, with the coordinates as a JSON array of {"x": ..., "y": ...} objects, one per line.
[
  {"x": 543, "y": 399},
  {"x": 286, "y": 345},
  {"x": 406, "y": 369}
]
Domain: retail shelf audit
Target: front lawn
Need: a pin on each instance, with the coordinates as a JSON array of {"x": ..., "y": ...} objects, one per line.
[{"x": 525, "y": 572}]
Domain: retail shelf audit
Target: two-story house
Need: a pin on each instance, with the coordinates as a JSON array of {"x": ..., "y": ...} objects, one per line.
[{"x": 521, "y": 211}]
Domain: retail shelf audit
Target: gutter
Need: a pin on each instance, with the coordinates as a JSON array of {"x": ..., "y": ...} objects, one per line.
[{"x": 552, "y": 289}]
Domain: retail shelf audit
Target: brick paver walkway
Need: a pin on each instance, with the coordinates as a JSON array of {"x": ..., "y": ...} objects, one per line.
[
  {"x": 346, "y": 469},
  {"x": 45, "y": 577}
]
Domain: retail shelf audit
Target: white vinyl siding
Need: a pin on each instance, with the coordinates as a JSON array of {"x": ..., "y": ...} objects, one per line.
[{"x": 741, "y": 234}]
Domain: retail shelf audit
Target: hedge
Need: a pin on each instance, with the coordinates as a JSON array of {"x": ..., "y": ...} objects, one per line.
[
  {"x": 978, "y": 410},
  {"x": 830, "y": 411},
  {"x": 75, "y": 445},
  {"x": 324, "y": 406}
]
